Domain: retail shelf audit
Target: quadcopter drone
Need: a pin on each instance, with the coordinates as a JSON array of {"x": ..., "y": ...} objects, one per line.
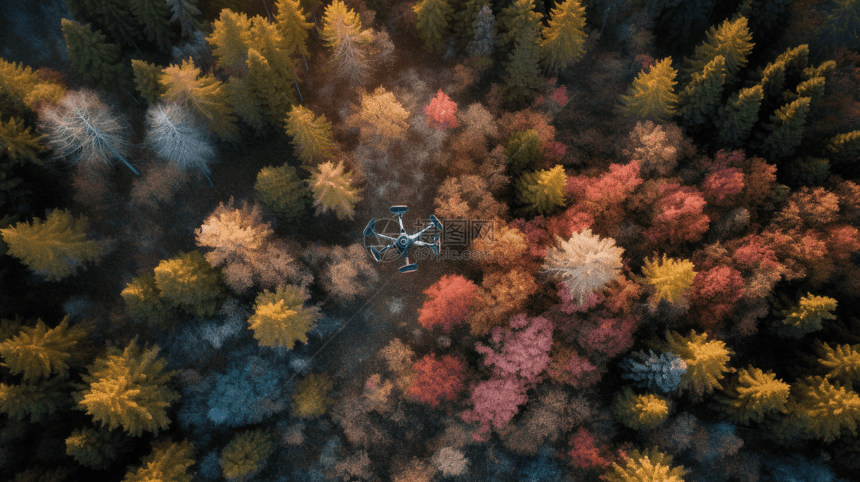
[{"x": 402, "y": 242}]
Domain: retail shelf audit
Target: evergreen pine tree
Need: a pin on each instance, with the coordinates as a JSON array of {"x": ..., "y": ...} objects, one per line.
[
  {"x": 54, "y": 247},
  {"x": 146, "y": 79},
  {"x": 292, "y": 22},
  {"x": 94, "y": 448},
  {"x": 35, "y": 402},
  {"x": 465, "y": 17},
  {"x": 342, "y": 34},
  {"x": 312, "y": 137},
  {"x": 845, "y": 148},
  {"x": 184, "y": 12},
  {"x": 281, "y": 319},
  {"x": 732, "y": 40},
  {"x": 332, "y": 190},
  {"x": 229, "y": 39},
  {"x": 432, "y": 20},
  {"x": 841, "y": 27},
  {"x": 153, "y": 15},
  {"x": 484, "y": 40},
  {"x": 807, "y": 316},
  {"x": 564, "y": 38},
  {"x": 752, "y": 395},
  {"x": 791, "y": 63},
  {"x": 20, "y": 142},
  {"x": 669, "y": 277},
  {"x": 206, "y": 97},
  {"x": 37, "y": 351},
  {"x": 640, "y": 412},
  {"x": 168, "y": 461},
  {"x": 812, "y": 88},
  {"x": 706, "y": 361},
  {"x": 661, "y": 373},
  {"x": 652, "y": 95},
  {"x": 786, "y": 130},
  {"x": 702, "y": 95},
  {"x": 281, "y": 190},
  {"x": 92, "y": 55},
  {"x": 524, "y": 75},
  {"x": 842, "y": 361},
  {"x": 127, "y": 388},
  {"x": 311, "y": 399},
  {"x": 246, "y": 453},
  {"x": 143, "y": 300},
  {"x": 189, "y": 282},
  {"x": 821, "y": 409},
  {"x": 114, "y": 17},
  {"x": 518, "y": 17},
  {"x": 271, "y": 71},
  {"x": 522, "y": 152},
  {"x": 650, "y": 465},
  {"x": 542, "y": 191},
  {"x": 735, "y": 119},
  {"x": 247, "y": 105}
]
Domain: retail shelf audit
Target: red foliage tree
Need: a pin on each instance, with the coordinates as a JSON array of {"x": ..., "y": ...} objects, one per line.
[
  {"x": 603, "y": 196},
  {"x": 437, "y": 379},
  {"x": 754, "y": 254},
  {"x": 842, "y": 242},
  {"x": 540, "y": 232},
  {"x": 679, "y": 217},
  {"x": 612, "y": 335},
  {"x": 569, "y": 367},
  {"x": 714, "y": 293},
  {"x": 448, "y": 302},
  {"x": 722, "y": 186},
  {"x": 495, "y": 402},
  {"x": 523, "y": 353},
  {"x": 585, "y": 453},
  {"x": 440, "y": 112}
]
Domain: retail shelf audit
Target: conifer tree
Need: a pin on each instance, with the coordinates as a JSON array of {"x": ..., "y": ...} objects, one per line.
[
  {"x": 821, "y": 409},
  {"x": 92, "y": 55},
  {"x": 661, "y": 373},
  {"x": 752, "y": 395},
  {"x": 845, "y": 147},
  {"x": 484, "y": 40},
  {"x": 248, "y": 107},
  {"x": 523, "y": 69},
  {"x": 94, "y": 448},
  {"x": 542, "y": 191},
  {"x": 37, "y": 351},
  {"x": 205, "y": 96},
  {"x": 652, "y": 95},
  {"x": 271, "y": 71},
  {"x": 332, "y": 190},
  {"x": 311, "y": 399},
  {"x": 812, "y": 88},
  {"x": 342, "y": 34},
  {"x": 701, "y": 97},
  {"x": 184, "y": 12},
  {"x": 380, "y": 119},
  {"x": 786, "y": 132},
  {"x": 143, "y": 300},
  {"x": 311, "y": 136},
  {"x": 735, "y": 119},
  {"x": 281, "y": 319},
  {"x": 152, "y": 15},
  {"x": 189, "y": 282},
  {"x": 146, "y": 79},
  {"x": 35, "y": 402},
  {"x": 432, "y": 20},
  {"x": 843, "y": 361},
  {"x": 127, "y": 388},
  {"x": 518, "y": 17},
  {"x": 787, "y": 64},
  {"x": 564, "y": 38},
  {"x": 807, "y": 316},
  {"x": 650, "y": 465},
  {"x": 465, "y": 17},
  {"x": 640, "y": 412},
  {"x": 168, "y": 461},
  {"x": 19, "y": 142},
  {"x": 246, "y": 453},
  {"x": 669, "y": 277},
  {"x": 732, "y": 40},
  {"x": 281, "y": 190},
  {"x": 706, "y": 361},
  {"x": 229, "y": 38},
  {"x": 522, "y": 152},
  {"x": 114, "y": 17},
  {"x": 54, "y": 247},
  {"x": 292, "y": 22}
]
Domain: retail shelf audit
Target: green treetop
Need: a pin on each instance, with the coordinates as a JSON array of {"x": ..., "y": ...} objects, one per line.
[
  {"x": 127, "y": 388},
  {"x": 168, "y": 461},
  {"x": 845, "y": 147},
  {"x": 432, "y": 20},
  {"x": 843, "y": 361},
  {"x": 519, "y": 16},
  {"x": 735, "y": 119},
  {"x": 669, "y": 277},
  {"x": 311, "y": 136},
  {"x": 701, "y": 97},
  {"x": 146, "y": 79},
  {"x": 807, "y": 316},
  {"x": 189, "y": 282},
  {"x": 792, "y": 62},
  {"x": 820, "y": 409},
  {"x": 20, "y": 142},
  {"x": 94, "y": 57},
  {"x": 650, "y": 465},
  {"x": 281, "y": 319},
  {"x": 115, "y": 17},
  {"x": 247, "y": 105},
  {"x": 523, "y": 67},
  {"x": 206, "y": 96},
  {"x": 37, "y": 351},
  {"x": 522, "y": 152},
  {"x": 154, "y": 17},
  {"x": 54, "y": 247},
  {"x": 706, "y": 361},
  {"x": 270, "y": 82},
  {"x": 35, "y": 402},
  {"x": 542, "y": 191},
  {"x": 465, "y": 17},
  {"x": 281, "y": 190},
  {"x": 184, "y": 12},
  {"x": 332, "y": 190},
  {"x": 246, "y": 454},
  {"x": 786, "y": 131},
  {"x": 640, "y": 412},
  {"x": 292, "y": 21},
  {"x": 143, "y": 300},
  {"x": 94, "y": 448},
  {"x": 564, "y": 38},
  {"x": 752, "y": 395},
  {"x": 732, "y": 40},
  {"x": 652, "y": 95},
  {"x": 311, "y": 399}
]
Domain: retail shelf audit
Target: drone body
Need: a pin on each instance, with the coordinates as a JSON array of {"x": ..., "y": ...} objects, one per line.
[{"x": 402, "y": 242}]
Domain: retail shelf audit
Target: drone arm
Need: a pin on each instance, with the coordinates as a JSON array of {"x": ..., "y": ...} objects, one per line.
[
  {"x": 400, "y": 220},
  {"x": 422, "y": 243},
  {"x": 419, "y": 233},
  {"x": 389, "y": 238}
]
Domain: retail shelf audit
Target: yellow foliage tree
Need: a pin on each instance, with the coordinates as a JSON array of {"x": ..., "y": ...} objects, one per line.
[
  {"x": 752, "y": 395},
  {"x": 189, "y": 282},
  {"x": 205, "y": 96},
  {"x": 652, "y": 95},
  {"x": 564, "y": 38},
  {"x": 34, "y": 401},
  {"x": 333, "y": 191},
  {"x": 820, "y": 409},
  {"x": 168, "y": 461},
  {"x": 380, "y": 119},
  {"x": 640, "y": 412},
  {"x": 19, "y": 142},
  {"x": 37, "y": 352},
  {"x": 311, "y": 399},
  {"x": 246, "y": 453},
  {"x": 669, "y": 277},
  {"x": 649, "y": 465},
  {"x": 706, "y": 360},
  {"x": 312, "y": 137},
  {"x": 843, "y": 361},
  {"x": 281, "y": 319}
]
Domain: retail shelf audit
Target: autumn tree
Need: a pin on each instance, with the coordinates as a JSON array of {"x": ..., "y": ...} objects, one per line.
[
  {"x": 333, "y": 191},
  {"x": 311, "y": 135},
  {"x": 657, "y": 147},
  {"x": 36, "y": 352},
  {"x": 143, "y": 300},
  {"x": 807, "y": 316},
  {"x": 522, "y": 351},
  {"x": 342, "y": 34},
  {"x": 661, "y": 373},
  {"x": 292, "y": 21},
  {"x": 640, "y": 412},
  {"x": 167, "y": 461},
  {"x": 281, "y": 318},
  {"x": 564, "y": 38},
  {"x": 440, "y": 112},
  {"x": 501, "y": 295},
  {"x": 229, "y": 37},
  {"x": 585, "y": 452},
  {"x": 715, "y": 292},
  {"x": 128, "y": 388},
  {"x": 669, "y": 277},
  {"x": 731, "y": 40},
  {"x": 752, "y": 395},
  {"x": 189, "y": 282},
  {"x": 522, "y": 152},
  {"x": 495, "y": 402},
  {"x": 19, "y": 142},
  {"x": 842, "y": 361},
  {"x": 820, "y": 409},
  {"x": 174, "y": 135},
  {"x": 93, "y": 56},
  {"x": 542, "y": 191},
  {"x": 585, "y": 263},
  {"x": 786, "y": 128},
  {"x": 94, "y": 448},
  {"x": 19, "y": 83},
  {"x": 246, "y": 454},
  {"x": 679, "y": 217},
  {"x": 146, "y": 80},
  {"x": 505, "y": 248},
  {"x": 447, "y": 302},
  {"x": 311, "y": 399},
  {"x": 54, "y": 247},
  {"x": 437, "y": 379},
  {"x": 205, "y": 96},
  {"x": 271, "y": 70},
  {"x": 347, "y": 273},
  {"x": 649, "y": 465},
  {"x": 652, "y": 95},
  {"x": 467, "y": 197},
  {"x": 432, "y": 20},
  {"x": 281, "y": 190},
  {"x": 35, "y": 402},
  {"x": 706, "y": 361},
  {"x": 484, "y": 40},
  {"x": 380, "y": 119}
]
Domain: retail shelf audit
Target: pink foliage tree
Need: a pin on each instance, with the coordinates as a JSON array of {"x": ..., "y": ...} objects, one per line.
[
  {"x": 842, "y": 241},
  {"x": 585, "y": 454},
  {"x": 755, "y": 254},
  {"x": 679, "y": 217},
  {"x": 440, "y": 112},
  {"x": 448, "y": 302},
  {"x": 603, "y": 196},
  {"x": 523, "y": 353},
  {"x": 540, "y": 232},
  {"x": 723, "y": 185},
  {"x": 714, "y": 294},
  {"x": 495, "y": 402},
  {"x": 612, "y": 335},
  {"x": 573, "y": 369},
  {"x": 569, "y": 305},
  {"x": 437, "y": 379}
]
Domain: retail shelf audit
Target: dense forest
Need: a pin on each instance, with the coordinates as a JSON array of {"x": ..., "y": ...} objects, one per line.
[{"x": 647, "y": 268}]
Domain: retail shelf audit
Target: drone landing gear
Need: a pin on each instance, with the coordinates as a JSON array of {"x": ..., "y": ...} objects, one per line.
[{"x": 408, "y": 268}]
